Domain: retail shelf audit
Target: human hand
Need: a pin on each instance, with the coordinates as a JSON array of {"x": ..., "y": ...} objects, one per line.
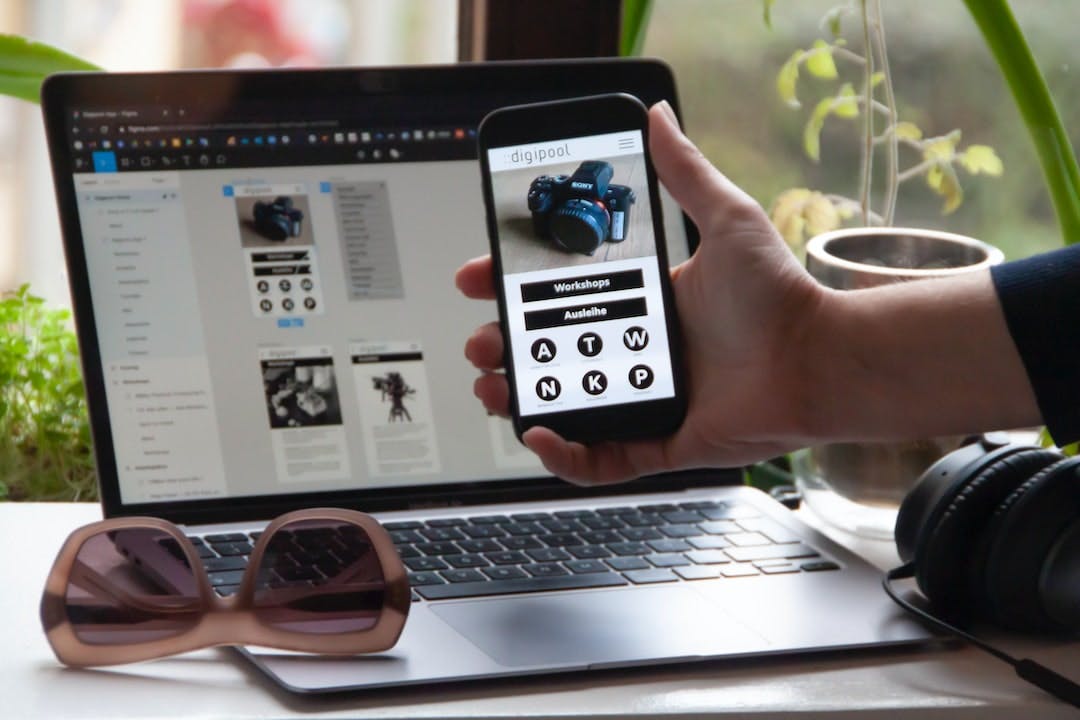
[{"x": 743, "y": 302}]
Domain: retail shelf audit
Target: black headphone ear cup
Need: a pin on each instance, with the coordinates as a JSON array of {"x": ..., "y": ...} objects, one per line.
[
  {"x": 1022, "y": 532},
  {"x": 937, "y": 485},
  {"x": 950, "y": 555}
]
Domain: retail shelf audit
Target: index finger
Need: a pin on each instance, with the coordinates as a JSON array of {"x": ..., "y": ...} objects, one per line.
[{"x": 475, "y": 280}]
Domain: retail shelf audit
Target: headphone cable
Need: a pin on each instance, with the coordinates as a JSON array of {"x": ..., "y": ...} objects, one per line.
[{"x": 1039, "y": 675}]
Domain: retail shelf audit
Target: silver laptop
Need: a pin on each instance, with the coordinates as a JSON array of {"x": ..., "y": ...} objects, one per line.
[{"x": 261, "y": 267}]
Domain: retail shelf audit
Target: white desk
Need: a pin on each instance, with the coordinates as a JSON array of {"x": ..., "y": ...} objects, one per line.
[{"x": 956, "y": 682}]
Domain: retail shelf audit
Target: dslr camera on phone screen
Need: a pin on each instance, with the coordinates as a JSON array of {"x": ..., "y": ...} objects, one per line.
[
  {"x": 278, "y": 220},
  {"x": 580, "y": 212}
]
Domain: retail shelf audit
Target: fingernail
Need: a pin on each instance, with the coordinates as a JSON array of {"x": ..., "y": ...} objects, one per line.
[{"x": 665, "y": 106}]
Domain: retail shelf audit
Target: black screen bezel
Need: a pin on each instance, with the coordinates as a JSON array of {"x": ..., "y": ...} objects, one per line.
[
  {"x": 463, "y": 91},
  {"x": 557, "y": 121}
]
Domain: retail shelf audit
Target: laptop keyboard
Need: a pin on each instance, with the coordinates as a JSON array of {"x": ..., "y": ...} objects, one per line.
[{"x": 565, "y": 549}]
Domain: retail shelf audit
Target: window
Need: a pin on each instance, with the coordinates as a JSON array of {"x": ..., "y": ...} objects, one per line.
[
  {"x": 128, "y": 35},
  {"x": 726, "y": 61}
]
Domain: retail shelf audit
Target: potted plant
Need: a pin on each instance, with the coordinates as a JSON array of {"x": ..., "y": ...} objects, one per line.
[
  {"x": 878, "y": 475},
  {"x": 45, "y": 448}
]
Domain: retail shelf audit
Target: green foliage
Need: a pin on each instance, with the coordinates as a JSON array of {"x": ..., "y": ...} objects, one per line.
[
  {"x": 45, "y": 450},
  {"x": 1060, "y": 170},
  {"x": 635, "y": 20},
  {"x": 856, "y": 87},
  {"x": 25, "y": 63}
]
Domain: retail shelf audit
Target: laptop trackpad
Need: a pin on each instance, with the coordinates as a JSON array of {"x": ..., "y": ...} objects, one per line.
[{"x": 589, "y": 628}]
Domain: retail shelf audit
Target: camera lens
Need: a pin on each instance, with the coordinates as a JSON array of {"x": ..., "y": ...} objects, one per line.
[{"x": 580, "y": 226}]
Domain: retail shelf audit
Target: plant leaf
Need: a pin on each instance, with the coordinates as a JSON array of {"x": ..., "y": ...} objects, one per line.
[
  {"x": 819, "y": 60},
  {"x": 766, "y": 8},
  {"x": 981, "y": 159},
  {"x": 799, "y": 213},
  {"x": 941, "y": 149},
  {"x": 25, "y": 63},
  {"x": 635, "y": 22},
  {"x": 832, "y": 20},
  {"x": 876, "y": 79},
  {"x": 812, "y": 131},
  {"x": 787, "y": 78},
  {"x": 942, "y": 180},
  {"x": 907, "y": 131},
  {"x": 845, "y": 104},
  {"x": 821, "y": 215}
]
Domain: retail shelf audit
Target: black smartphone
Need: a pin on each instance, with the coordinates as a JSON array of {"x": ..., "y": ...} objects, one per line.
[{"x": 581, "y": 269}]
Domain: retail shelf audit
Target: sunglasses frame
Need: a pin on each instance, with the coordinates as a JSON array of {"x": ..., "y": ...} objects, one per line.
[{"x": 229, "y": 620}]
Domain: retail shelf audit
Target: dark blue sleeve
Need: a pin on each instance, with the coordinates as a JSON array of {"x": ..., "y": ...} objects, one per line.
[{"x": 1040, "y": 296}]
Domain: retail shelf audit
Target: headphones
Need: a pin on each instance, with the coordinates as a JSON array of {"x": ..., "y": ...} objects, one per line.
[{"x": 991, "y": 532}]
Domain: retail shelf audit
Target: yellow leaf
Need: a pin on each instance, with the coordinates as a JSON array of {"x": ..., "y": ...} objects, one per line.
[
  {"x": 876, "y": 79},
  {"x": 942, "y": 180},
  {"x": 981, "y": 159},
  {"x": 821, "y": 215},
  {"x": 907, "y": 131},
  {"x": 933, "y": 178},
  {"x": 786, "y": 79},
  {"x": 786, "y": 214},
  {"x": 819, "y": 60},
  {"x": 940, "y": 150},
  {"x": 799, "y": 213}
]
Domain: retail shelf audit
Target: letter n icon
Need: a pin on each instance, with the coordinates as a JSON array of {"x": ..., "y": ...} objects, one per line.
[{"x": 548, "y": 388}]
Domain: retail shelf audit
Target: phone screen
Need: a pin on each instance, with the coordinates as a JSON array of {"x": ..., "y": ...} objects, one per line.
[{"x": 581, "y": 273}]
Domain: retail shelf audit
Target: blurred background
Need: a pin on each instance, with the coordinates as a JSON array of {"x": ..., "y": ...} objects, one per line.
[{"x": 726, "y": 59}]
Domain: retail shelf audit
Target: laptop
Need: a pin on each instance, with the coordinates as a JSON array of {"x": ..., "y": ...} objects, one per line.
[{"x": 261, "y": 267}]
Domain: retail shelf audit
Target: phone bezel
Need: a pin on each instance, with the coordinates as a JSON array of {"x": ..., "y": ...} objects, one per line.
[{"x": 557, "y": 120}]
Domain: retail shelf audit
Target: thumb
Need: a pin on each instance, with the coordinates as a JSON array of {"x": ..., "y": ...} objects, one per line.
[{"x": 703, "y": 191}]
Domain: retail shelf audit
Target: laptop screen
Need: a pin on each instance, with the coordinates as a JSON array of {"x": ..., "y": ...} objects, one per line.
[{"x": 262, "y": 269}]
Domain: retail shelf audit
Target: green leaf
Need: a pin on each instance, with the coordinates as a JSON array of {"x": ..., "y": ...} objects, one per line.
[
  {"x": 981, "y": 159},
  {"x": 876, "y": 79},
  {"x": 1056, "y": 156},
  {"x": 819, "y": 61},
  {"x": 635, "y": 21},
  {"x": 907, "y": 131},
  {"x": 812, "y": 131},
  {"x": 766, "y": 9},
  {"x": 845, "y": 104},
  {"x": 25, "y": 63},
  {"x": 832, "y": 20},
  {"x": 787, "y": 78}
]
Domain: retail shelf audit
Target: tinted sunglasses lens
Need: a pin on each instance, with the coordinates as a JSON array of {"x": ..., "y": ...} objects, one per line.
[
  {"x": 319, "y": 576},
  {"x": 131, "y": 586}
]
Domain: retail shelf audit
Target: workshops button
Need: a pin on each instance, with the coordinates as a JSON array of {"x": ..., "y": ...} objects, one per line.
[
  {"x": 586, "y": 285},
  {"x": 592, "y": 312}
]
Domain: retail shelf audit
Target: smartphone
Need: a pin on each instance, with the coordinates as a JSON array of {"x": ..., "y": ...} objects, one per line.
[{"x": 581, "y": 269}]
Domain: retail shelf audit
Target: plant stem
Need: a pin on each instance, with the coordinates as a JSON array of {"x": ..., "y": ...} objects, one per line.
[
  {"x": 839, "y": 201},
  {"x": 868, "y": 130},
  {"x": 892, "y": 152},
  {"x": 915, "y": 171},
  {"x": 1008, "y": 46}
]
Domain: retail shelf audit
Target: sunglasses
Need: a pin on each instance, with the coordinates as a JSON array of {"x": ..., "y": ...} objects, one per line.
[{"x": 320, "y": 581}]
